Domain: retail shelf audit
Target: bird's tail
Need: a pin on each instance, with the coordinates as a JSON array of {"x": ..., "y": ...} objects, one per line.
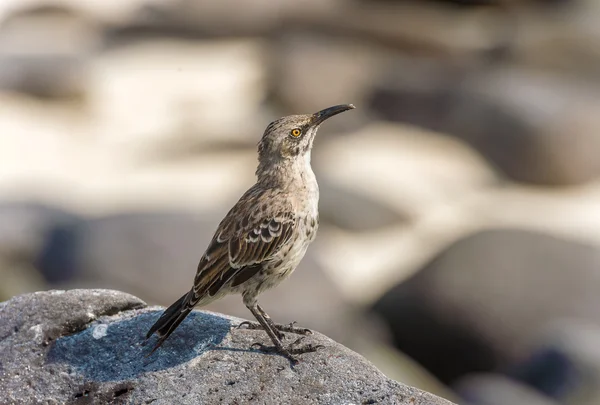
[{"x": 169, "y": 320}]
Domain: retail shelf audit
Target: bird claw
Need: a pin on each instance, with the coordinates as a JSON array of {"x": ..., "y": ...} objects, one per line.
[
  {"x": 293, "y": 329},
  {"x": 257, "y": 326},
  {"x": 309, "y": 348},
  {"x": 262, "y": 348},
  {"x": 248, "y": 325},
  {"x": 290, "y": 351},
  {"x": 275, "y": 350},
  {"x": 304, "y": 331},
  {"x": 295, "y": 342},
  {"x": 290, "y": 328}
]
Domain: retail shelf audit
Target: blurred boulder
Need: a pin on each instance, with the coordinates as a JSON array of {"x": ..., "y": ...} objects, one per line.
[
  {"x": 542, "y": 128},
  {"x": 24, "y": 226},
  {"x": 487, "y": 296},
  {"x": 406, "y": 168},
  {"x": 160, "y": 251},
  {"x": 203, "y": 92},
  {"x": 536, "y": 128},
  {"x": 420, "y": 28},
  {"x": 491, "y": 389},
  {"x": 498, "y": 2},
  {"x": 311, "y": 71},
  {"x": 565, "y": 40},
  {"x": 398, "y": 366},
  {"x": 44, "y": 51},
  {"x": 19, "y": 278},
  {"x": 564, "y": 363},
  {"x": 205, "y": 18},
  {"x": 351, "y": 210},
  {"x": 35, "y": 237},
  {"x": 420, "y": 91}
]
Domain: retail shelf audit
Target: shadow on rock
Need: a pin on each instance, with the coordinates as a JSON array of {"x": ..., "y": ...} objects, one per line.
[{"x": 116, "y": 351}]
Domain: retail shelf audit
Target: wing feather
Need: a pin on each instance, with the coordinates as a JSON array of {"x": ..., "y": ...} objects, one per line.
[{"x": 250, "y": 235}]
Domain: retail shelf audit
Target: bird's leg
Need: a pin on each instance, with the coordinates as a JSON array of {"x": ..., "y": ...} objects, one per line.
[
  {"x": 278, "y": 328},
  {"x": 266, "y": 323},
  {"x": 273, "y": 333}
]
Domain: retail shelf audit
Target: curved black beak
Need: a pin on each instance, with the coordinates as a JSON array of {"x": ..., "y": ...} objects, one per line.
[{"x": 322, "y": 115}]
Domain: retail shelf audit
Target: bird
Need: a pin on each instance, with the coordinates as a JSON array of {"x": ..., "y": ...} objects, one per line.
[{"x": 263, "y": 238}]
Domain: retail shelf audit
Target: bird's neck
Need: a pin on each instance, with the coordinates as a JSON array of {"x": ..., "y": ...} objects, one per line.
[{"x": 293, "y": 174}]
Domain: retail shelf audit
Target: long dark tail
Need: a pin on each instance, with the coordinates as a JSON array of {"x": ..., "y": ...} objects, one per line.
[{"x": 169, "y": 320}]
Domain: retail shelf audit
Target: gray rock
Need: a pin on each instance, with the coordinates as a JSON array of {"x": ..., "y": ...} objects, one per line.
[
  {"x": 85, "y": 346},
  {"x": 479, "y": 304}
]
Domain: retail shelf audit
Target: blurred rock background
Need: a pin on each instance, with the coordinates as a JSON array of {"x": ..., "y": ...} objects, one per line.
[{"x": 460, "y": 203}]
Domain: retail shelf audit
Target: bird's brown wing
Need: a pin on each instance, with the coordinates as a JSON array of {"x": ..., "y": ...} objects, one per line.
[{"x": 251, "y": 233}]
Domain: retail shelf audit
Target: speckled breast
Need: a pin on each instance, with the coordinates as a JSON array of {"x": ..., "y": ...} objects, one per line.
[{"x": 292, "y": 254}]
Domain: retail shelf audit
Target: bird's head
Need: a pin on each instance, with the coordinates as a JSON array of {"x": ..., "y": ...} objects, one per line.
[{"x": 291, "y": 137}]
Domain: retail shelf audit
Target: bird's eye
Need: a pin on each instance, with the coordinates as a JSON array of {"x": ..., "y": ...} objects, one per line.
[{"x": 295, "y": 132}]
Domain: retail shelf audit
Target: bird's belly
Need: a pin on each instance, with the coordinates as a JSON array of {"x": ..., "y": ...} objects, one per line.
[{"x": 291, "y": 259}]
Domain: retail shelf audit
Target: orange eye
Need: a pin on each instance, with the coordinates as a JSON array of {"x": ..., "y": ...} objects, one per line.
[{"x": 296, "y": 132}]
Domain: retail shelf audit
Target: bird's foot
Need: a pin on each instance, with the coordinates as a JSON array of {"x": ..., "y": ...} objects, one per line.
[
  {"x": 290, "y": 351},
  {"x": 290, "y": 328}
]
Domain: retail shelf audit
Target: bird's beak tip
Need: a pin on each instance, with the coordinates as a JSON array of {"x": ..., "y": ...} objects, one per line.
[{"x": 331, "y": 111}]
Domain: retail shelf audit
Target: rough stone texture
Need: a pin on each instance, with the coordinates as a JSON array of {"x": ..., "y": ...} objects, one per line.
[
  {"x": 478, "y": 305},
  {"x": 85, "y": 346}
]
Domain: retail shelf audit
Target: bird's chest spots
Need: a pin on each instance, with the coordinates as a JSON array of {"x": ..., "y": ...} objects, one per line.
[
  {"x": 293, "y": 253},
  {"x": 310, "y": 224}
]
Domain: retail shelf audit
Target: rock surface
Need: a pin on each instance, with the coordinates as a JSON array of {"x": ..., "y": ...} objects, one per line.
[{"x": 85, "y": 346}]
